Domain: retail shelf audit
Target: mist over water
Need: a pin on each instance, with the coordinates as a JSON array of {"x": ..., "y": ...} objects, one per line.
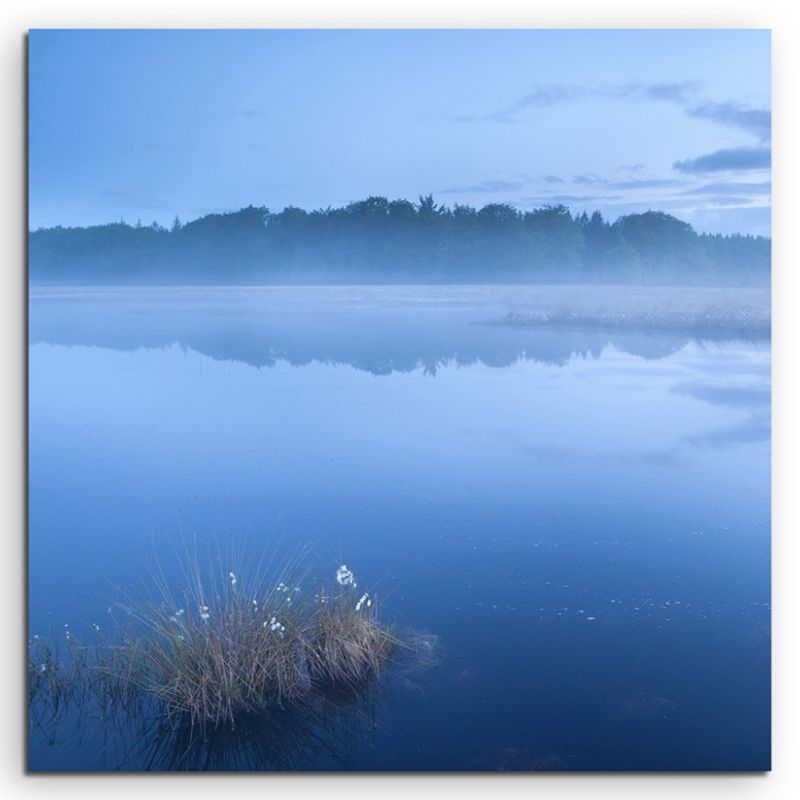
[{"x": 579, "y": 513}]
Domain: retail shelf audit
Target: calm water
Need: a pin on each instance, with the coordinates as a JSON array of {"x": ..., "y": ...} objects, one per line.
[{"x": 580, "y": 517}]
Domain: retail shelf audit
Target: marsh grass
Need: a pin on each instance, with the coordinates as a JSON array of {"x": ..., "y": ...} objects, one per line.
[
  {"x": 346, "y": 644},
  {"x": 241, "y": 640}
]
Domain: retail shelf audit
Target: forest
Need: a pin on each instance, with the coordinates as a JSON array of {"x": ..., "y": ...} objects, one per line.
[{"x": 379, "y": 241}]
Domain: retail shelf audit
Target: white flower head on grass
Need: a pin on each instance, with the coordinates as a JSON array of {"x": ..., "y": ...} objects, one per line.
[
  {"x": 204, "y": 612},
  {"x": 344, "y": 577},
  {"x": 233, "y": 578},
  {"x": 95, "y": 626},
  {"x": 363, "y": 600},
  {"x": 275, "y": 626}
]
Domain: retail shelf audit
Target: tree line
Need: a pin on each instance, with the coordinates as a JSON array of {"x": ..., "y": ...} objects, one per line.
[{"x": 395, "y": 241}]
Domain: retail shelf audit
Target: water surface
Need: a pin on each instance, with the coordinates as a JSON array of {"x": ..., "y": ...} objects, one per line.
[{"x": 580, "y": 516}]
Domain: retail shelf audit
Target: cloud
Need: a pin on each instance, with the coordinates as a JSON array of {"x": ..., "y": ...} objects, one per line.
[
  {"x": 730, "y": 188},
  {"x": 754, "y": 121},
  {"x": 571, "y": 198},
  {"x": 486, "y": 187},
  {"x": 590, "y": 179},
  {"x": 757, "y": 121},
  {"x": 668, "y": 92},
  {"x": 646, "y": 183},
  {"x": 551, "y": 95},
  {"x": 719, "y": 201},
  {"x": 738, "y": 159},
  {"x": 554, "y": 94},
  {"x": 552, "y": 179}
]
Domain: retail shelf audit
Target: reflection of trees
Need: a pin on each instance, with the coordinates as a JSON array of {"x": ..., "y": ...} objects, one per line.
[{"x": 380, "y": 341}]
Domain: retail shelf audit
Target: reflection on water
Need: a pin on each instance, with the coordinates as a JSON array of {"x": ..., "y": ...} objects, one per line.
[
  {"x": 133, "y": 736},
  {"x": 581, "y": 517},
  {"x": 381, "y": 334}
]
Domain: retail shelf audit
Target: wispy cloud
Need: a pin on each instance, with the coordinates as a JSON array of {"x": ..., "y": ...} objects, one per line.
[
  {"x": 551, "y": 95},
  {"x": 485, "y": 187},
  {"x": 552, "y": 179},
  {"x": 731, "y": 187},
  {"x": 570, "y": 198},
  {"x": 757, "y": 121},
  {"x": 590, "y": 179},
  {"x": 646, "y": 183},
  {"x": 725, "y": 200},
  {"x": 735, "y": 159},
  {"x": 667, "y": 92},
  {"x": 554, "y": 94}
]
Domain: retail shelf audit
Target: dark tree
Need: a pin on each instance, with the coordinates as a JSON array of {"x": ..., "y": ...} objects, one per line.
[{"x": 378, "y": 240}]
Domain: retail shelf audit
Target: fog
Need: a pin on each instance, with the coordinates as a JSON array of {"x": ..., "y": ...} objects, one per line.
[{"x": 388, "y": 329}]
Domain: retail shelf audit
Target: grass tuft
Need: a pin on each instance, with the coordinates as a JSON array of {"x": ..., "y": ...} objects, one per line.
[{"x": 236, "y": 642}]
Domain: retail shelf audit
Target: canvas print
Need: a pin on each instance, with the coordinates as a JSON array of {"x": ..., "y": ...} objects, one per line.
[{"x": 399, "y": 400}]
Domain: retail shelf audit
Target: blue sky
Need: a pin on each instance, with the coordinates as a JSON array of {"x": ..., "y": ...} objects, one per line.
[{"x": 150, "y": 124}]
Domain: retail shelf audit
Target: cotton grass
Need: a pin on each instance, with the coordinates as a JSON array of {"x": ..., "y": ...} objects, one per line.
[{"x": 232, "y": 644}]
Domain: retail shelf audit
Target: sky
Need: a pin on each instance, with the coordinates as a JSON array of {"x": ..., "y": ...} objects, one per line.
[{"x": 150, "y": 124}]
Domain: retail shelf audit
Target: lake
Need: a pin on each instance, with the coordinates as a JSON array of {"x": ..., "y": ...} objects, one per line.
[{"x": 578, "y": 516}]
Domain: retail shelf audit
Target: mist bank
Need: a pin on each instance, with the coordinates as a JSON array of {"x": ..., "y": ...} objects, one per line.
[
  {"x": 377, "y": 241},
  {"x": 384, "y": 330}
]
